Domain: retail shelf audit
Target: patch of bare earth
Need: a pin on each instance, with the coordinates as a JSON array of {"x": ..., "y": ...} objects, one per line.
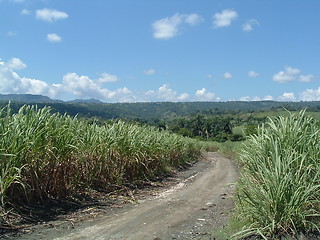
[{"x": 194, "y": 204}]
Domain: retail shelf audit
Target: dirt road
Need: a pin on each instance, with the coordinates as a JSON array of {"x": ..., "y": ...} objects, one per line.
[{"x": 195, "y": 208}]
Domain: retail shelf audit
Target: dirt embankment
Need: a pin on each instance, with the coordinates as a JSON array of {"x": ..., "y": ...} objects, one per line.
[{"x": 196, "y": 207}]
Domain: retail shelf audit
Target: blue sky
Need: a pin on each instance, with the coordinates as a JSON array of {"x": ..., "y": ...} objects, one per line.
[{"x": 161, "y": 50}]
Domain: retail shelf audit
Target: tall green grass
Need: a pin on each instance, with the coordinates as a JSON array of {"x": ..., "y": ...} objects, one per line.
[
  {"x": 279, "y": 189},
  {"x": 51, "y": 155}
]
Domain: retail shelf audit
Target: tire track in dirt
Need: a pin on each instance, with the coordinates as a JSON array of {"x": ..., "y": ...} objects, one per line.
[{"x": 195, "y": 208}]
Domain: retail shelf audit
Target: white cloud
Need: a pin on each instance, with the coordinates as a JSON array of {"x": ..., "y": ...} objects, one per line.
[
  {"x": 50, "y": 15},
  {"x": 255, "y": 99},
  {"x": 204, "y": 95},
  {"x": 310, "y": 95},
  {"x": 25, "y": 12},
  {"x": 253, "y": 74},
  {"x": 245, "y": 99},
  {"x": 11, "y": 82},
  {"x": 287, "y": 96},
  {"x": 78, "y": 86},
  {"x": 16, "y": 64},
  {"x": 268, "y": 98},
  {"x": 201, "y": 92},
  {"x": 168, "y": 27},
  {"x": 224, "y": 18},
  {"x": 183, "y": 97},
  {"x": 193, "y": 19},
  {"x": 248, "y": 26},
  {"x": 165, "y": 93},
  {"x": 209, "y": 76},
  {"x": 150, "y": 92},
  {"x": 306, "y": 78},
  {"x": 150, "y": 71},
  {"x": 83, "y": 86},
  {"x": 53, "y": 37},
  {"x": 106, "y": 77},
  {"x": 289, "y": 74},
  {"x": 227, "y": 75}
]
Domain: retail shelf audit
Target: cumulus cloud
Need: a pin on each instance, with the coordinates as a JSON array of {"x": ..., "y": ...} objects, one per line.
[
  {"x": 245, "y": 99},
  {"x": 253, "y": 74},
  {"x": 165, "y": 93},
  {"x": 248, "y": 26},
  {"x": 256, "y": 98},
  {"x": 183, "y": 97},
  {"x": 268, "y": 98},
  {"x": 150, "y": 71},
  {"x": 50, "y": 15},
  {"x": 292, "y": 74},
  {"x": 106, "y": 77},
  {"x": 16, "y": 64},
  {"x": 81, "y": 86},
  {"x": 72, "y": 83},
  {"x": 53, "y": 37},
  {"x": 306, "y": 78},
  {"x": 204, "y": 95},
  {"x": 289, "y": 74},
  {"x": 224, "y": 18},
  {"x": 227, "y": 75},
  {"x": 11, "y": 82},
  {"x": 287, "y": 96},
  {"x": 168, "y": 27},
  {"x": 310, "y": 95},
  {"x": 85, "y": 87}
]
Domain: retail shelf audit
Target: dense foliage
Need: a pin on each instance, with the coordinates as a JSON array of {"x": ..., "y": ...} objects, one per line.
[
  {"x": 51, "y": 155},
  {"x": 279, "y": 189},
  {"x": 205, "y": 128}
]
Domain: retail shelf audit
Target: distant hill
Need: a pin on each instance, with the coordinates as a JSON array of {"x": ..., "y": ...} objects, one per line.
[
  {"x": 150, "y": 111},
  {"x": 91, "y": 100},
  {"x": 27, "y": 98}
]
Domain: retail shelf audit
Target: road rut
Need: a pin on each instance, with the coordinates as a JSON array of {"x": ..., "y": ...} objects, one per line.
[{"x": 195, "y": 208}]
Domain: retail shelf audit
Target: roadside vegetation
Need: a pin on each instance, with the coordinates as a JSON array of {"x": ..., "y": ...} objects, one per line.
[
  {"x": 48, "y": 155},
  {"x": 45, "y": 155},
  {"x": 278, "y": 193}
]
